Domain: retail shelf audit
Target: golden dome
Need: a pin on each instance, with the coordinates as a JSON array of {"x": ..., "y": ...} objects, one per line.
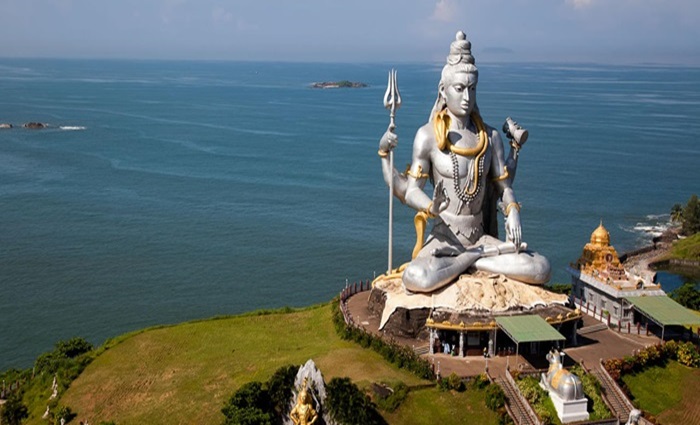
[{"x": 600, "y": 236}]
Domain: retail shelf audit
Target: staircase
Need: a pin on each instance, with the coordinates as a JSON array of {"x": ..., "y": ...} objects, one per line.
[
  {"x": 617, "y": 401},
  {"x": 518, "y": 408}
]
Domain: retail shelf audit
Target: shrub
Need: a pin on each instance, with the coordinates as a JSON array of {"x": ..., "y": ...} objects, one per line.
[
  {"x": 456, "y": 382},
  {"x": 592, "y": 390},
  {"x": 63, "y": 412},
  {"x": 687, "y": 295},
  {"x": 560, "y": 288},
  {"x": 263, "y": 403},
  {"x": 400, "y": 355},
  {"x": 349, "y": 406},
  {"x": 495, "y": 397},
  {"x": 687, "y": 354},
  {"x": 250, "y": 405},
  {"x": 13, "y": 411},
  {"x": 479, "y": 382},
  {"x": 68, "y": 357},
  {"x": 452, "y": 382},
  {"x": 392, "y": 402},
  {"x": 691, "y": 216},
  {"x": 503, "y": 417},
  {"x": 73, "y": 347},
  {"x": 531, "y": 390},
  {"x": 280, "y": 386}
]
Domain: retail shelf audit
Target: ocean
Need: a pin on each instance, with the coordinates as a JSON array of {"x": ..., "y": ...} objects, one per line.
[{"x": 168, "y": 191}]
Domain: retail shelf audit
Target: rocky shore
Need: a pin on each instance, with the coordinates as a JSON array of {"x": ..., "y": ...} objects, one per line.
[
  {"x": 29, "y": 125},
  {"x": 647, "y": 259}
]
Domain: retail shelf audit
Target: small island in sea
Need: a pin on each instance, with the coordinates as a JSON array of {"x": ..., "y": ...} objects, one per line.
[{"x": 338, "y": 85}]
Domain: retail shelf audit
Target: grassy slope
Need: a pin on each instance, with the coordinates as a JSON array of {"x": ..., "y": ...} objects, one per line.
[
  {"x": 184, "y": 373},
  {"x": 432, "y": 406},
  {"x": 687, "y": 249},
  {"x": 669, "y": 392}
]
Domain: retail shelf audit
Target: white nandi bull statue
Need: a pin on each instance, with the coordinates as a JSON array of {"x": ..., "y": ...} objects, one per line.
[
  {"x": 635, "y": 416},
  {"x": 564, "y": 383}
]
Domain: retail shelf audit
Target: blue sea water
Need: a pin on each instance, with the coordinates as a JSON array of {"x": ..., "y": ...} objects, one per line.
[{"x": 170, "y": 191}]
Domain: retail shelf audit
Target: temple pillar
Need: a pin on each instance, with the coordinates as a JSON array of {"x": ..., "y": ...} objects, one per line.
[
  {"x": 432, "y": 341},
  {"x": 461, "y": 344}
]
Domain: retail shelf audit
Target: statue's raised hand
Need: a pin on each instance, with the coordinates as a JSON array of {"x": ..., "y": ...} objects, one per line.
[
  {"x": 389, "y": 140},
  {"x": 514, "y": 231},
  {"x": 440, "y": 200}
]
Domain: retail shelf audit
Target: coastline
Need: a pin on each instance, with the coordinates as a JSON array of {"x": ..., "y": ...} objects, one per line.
[{"x": 649, "y": 258}]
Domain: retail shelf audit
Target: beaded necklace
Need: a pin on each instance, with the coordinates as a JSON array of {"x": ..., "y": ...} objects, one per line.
[{"x": 476, "y": 168}]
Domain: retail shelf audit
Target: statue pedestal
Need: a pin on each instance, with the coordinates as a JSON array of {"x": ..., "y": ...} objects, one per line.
[
  {"x": 570, "y": 410},
  {"x": 478, "y": 294}
]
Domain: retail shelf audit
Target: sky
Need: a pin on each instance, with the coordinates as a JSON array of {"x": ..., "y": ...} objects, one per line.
[{"x": 598, "y": 31}]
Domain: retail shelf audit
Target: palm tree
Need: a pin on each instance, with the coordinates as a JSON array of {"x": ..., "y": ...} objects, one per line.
[{"x": 677, "y": 213}]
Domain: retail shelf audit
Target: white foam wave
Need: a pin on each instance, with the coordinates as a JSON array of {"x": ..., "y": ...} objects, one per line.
[
  {"x": 651, "y": 229},
  {"x": 72, "y": 127}
]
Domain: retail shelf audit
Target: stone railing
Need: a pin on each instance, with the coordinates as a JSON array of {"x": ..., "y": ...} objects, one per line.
[
  {"x": 598, "y": 314},
  {"x": 621, "y": 394},
  {"x": 349, "y": 291},
  {"x": 523, "y": 401}
]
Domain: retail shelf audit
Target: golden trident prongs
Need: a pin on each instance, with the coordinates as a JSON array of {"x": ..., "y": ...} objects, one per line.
[{"x": 392, "y": 101}]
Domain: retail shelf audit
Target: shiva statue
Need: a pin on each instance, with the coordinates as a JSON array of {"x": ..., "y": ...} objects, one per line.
[
  {"x": 303, "y": 412},
  {"x": 465, "y": 162}
]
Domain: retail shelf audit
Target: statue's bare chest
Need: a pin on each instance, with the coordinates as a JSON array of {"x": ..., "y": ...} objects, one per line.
[{"x": 447, "y": 165}]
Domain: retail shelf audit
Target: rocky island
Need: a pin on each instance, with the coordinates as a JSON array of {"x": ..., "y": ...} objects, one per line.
[
  {"x": 338, "y": 84},
  {"x": 35, "y": 125}
]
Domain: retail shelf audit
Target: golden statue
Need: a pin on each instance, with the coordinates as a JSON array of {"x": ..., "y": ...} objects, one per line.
[{"x": 303, "y": 412}]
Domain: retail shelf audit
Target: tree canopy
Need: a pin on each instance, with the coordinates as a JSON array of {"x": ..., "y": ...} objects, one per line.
[{"x": 688, "y": 216}]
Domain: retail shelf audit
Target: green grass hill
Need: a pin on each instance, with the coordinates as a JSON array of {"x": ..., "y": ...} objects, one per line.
[{"x": 184, "y": 373}]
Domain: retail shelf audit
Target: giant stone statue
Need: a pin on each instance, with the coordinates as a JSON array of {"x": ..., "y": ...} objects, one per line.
[{"x": 464, "y": 160}]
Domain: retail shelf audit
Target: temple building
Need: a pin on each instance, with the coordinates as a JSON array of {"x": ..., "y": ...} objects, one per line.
[
  {"x": 602, "y": 288},
  {"x": 600, "y": 283}
]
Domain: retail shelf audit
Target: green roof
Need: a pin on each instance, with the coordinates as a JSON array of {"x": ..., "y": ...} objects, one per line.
[
  {"x": 529, "y": 328},
  {"x": 664, "y": 310}
]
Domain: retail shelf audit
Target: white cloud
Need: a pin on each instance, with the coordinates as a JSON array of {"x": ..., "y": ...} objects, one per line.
[
  {"x": 580, "y": 4},
  {"x": 444, "y": 11},
  {"x": 220, "y": 14}
]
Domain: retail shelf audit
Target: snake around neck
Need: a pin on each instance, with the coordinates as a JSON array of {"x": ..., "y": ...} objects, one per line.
[{"x": 441, "y": 126}]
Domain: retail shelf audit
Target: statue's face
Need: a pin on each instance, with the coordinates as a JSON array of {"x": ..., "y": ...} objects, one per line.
[{"x": 459, "y": 92}]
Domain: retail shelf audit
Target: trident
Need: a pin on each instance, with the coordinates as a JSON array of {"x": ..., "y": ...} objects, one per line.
[{"x": 392, "y": 101}]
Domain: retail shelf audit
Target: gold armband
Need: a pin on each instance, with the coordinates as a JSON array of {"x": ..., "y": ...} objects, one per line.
[
  {"x": 504, "y": 176},
  {"x": 418, "y": 174},
  {"x": 382, "y": 153},
  {"x": 512, "y": 205}
]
